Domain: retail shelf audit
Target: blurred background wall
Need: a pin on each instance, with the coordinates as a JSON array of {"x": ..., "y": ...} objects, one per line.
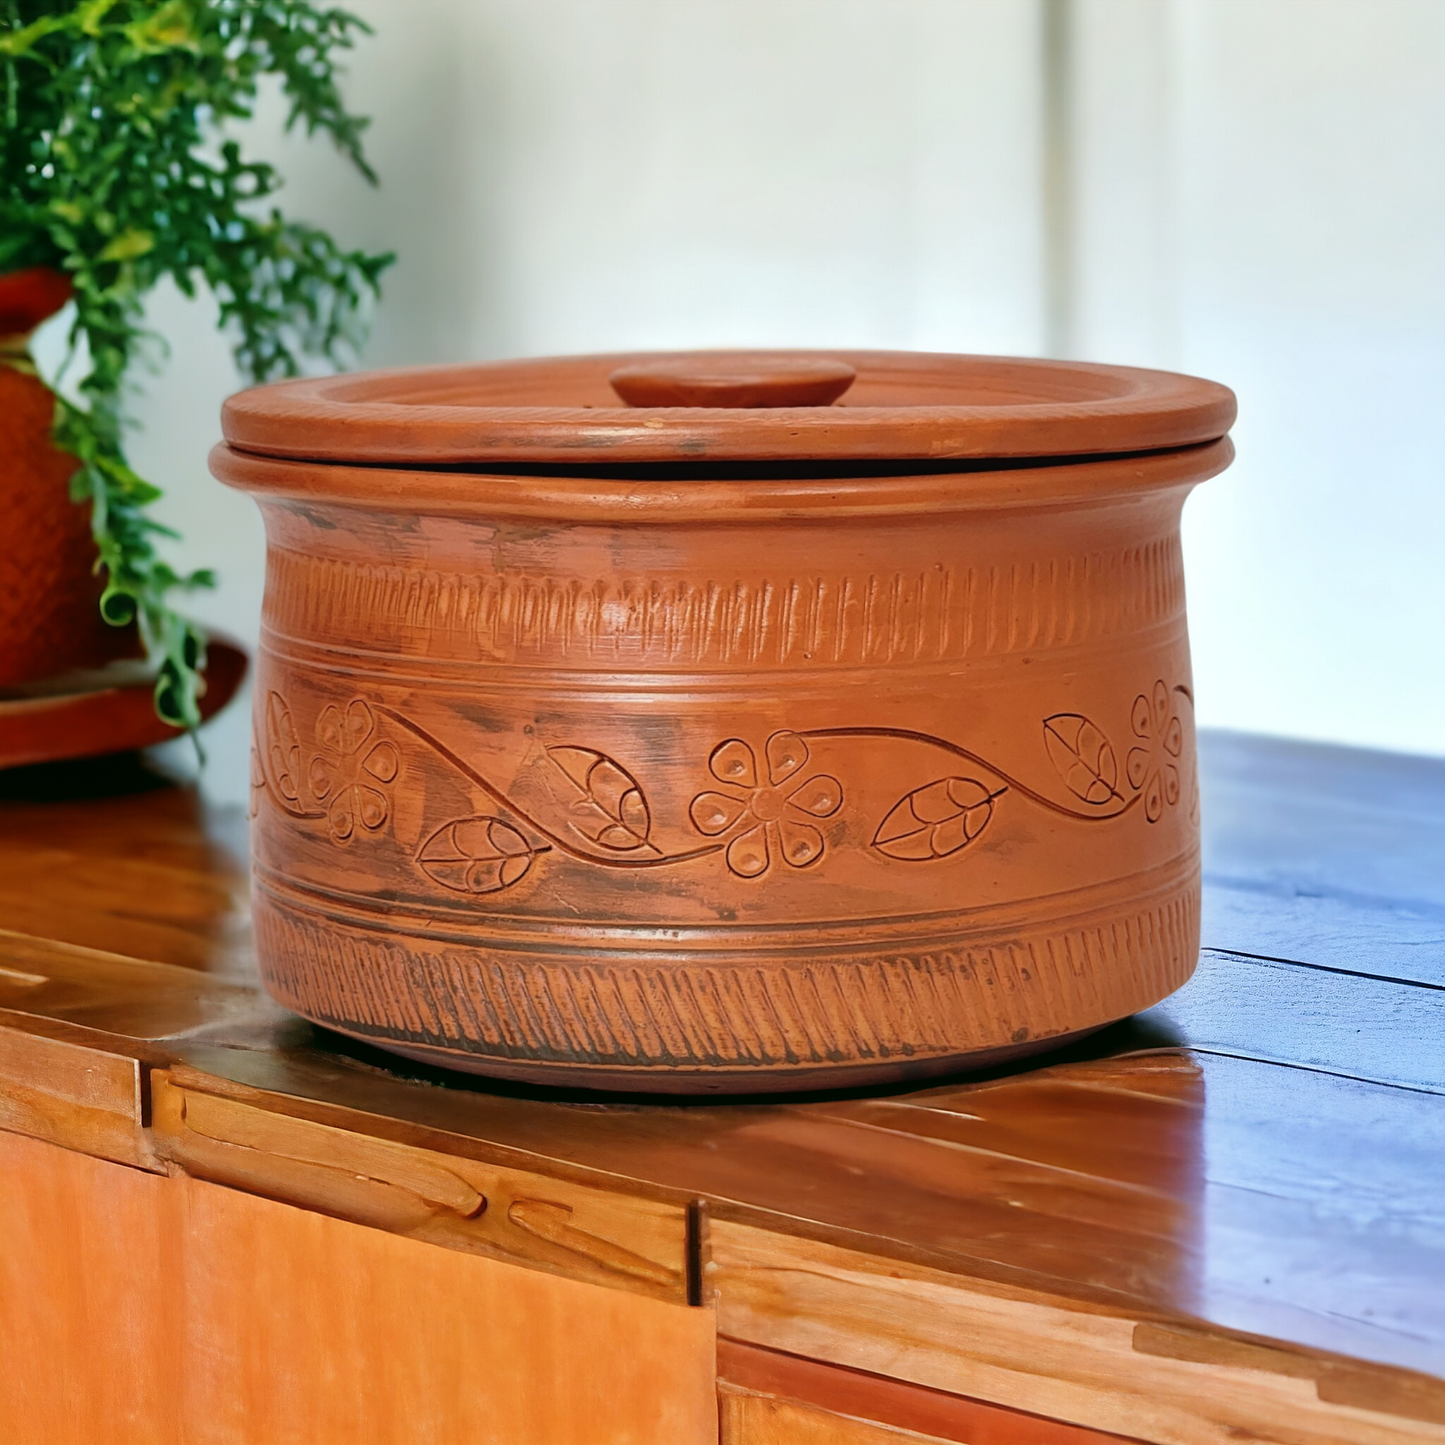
[{"x": 1253, "y": 190}]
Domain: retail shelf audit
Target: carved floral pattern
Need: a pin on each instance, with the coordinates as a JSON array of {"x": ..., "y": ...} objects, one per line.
[
  {"x": 1150, "y": 767},
  {"x": 346, "y": 772},
  {"x": 766, "y": 815},
  {"x": 762, "y": 809}
]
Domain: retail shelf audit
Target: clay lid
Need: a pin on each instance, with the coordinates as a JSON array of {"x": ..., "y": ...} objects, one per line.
[{"x": 729, "y": 406}]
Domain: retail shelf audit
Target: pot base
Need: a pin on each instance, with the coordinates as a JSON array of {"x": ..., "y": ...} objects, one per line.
[
  {"x": 754, "y": 1021},
  {"x": 725, "y": 1081}
]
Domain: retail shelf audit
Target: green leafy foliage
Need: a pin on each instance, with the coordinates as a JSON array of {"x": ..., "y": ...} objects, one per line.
[{"x": 116, "y": 167}]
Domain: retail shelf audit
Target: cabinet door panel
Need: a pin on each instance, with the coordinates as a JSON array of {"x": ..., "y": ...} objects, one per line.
[{"x": 158, "y": 1310}]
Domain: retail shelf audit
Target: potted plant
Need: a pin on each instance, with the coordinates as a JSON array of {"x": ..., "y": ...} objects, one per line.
[{"x": 117, "y": 169}]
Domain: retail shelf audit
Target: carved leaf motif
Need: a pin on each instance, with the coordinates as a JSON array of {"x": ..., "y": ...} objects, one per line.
[
  {"x": 283, "y": 749},
  {"x": 480, "y": 854},
  {"x": 1083, "y": 757},
  {"x": 936, "y": 820},
  {"x": 612, "y": 811}
]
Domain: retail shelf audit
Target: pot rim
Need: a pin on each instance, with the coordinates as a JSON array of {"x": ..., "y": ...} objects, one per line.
[
  {"x": 904, "y": 404},
  {"x": 582, "y": 497}
]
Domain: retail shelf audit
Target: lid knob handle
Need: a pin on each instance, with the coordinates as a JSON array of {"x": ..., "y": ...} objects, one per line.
[{"x": 760, "y": 379}]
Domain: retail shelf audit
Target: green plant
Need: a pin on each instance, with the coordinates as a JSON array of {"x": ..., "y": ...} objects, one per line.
[{"x": 117, "y": 168}]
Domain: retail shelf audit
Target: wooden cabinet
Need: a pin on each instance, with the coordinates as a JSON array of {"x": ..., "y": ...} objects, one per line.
[{"x": 145, "y": 1308}]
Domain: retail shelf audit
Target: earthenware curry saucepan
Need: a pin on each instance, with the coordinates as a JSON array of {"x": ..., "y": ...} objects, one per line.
[{"x": 735, "y": 722}]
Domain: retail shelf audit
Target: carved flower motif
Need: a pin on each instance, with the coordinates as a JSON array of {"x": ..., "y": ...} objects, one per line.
[
  {"x": 346, "y": 771},
  {"x": 767, "y": 816},
  {"x": 1150, "y": 766}
]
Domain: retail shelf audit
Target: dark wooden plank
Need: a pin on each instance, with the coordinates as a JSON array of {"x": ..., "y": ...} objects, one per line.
[
  {"x": 1362, "y": 823},
  {"x": 1323, "y": 1215},
  {"x": 1327, "y": 855},
  {"x": 66, "y": 991},
  {"x": 108, "y": 853},
  {"x": 1402, "y": 941},
  {"x": 1321, "y": 1018}
]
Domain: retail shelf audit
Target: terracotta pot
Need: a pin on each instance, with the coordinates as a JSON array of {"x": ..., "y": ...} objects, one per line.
[
  {"x": 751, "y": 743},
  {"x": 50, "y": 621}
]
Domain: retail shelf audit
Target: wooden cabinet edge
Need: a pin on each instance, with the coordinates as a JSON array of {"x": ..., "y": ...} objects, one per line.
[
  {"x": 1029, "y": 1351},
  {"x": 29, "y": 955},
  {"x": 74, "y": 1095},
  {"x": 897, "y": 1409},
  {"x": 430, "y": 1138},
  {"x": 628, "y": 1243},
  {"x": 746, "y": 1418},
  {"x": 1386, "y": 1390}
]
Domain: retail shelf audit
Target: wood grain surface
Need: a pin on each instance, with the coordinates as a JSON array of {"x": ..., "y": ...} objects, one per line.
[
  {"x": 1222, "y": 1217},
  {"x": 555, "y": 1225},
  {"x": 1033, "y": 1351},
  {"x": 137, "y": 1309},
  {"x": 768, "y": 1396},
  {"x": 108, "y": 853},
  {"x": 748, "y": 1419},
  {"x": 1331, "y": 857},
  {"x": 78, "y": 1097}
]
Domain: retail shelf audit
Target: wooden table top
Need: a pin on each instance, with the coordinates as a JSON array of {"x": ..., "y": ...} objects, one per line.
[{"x": 1251, "y": 1176}]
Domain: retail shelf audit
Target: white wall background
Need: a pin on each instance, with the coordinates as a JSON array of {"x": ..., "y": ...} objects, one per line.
[
  {"x": 1261, "y": 199},
  {"x": 1257, "y": 194}
]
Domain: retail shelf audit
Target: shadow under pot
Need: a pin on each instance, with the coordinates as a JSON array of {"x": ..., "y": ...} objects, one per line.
[{"x": 725, "y": 722}]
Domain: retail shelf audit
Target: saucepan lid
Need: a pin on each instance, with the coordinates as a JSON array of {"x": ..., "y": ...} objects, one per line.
[{"x": 729, "y": 406}]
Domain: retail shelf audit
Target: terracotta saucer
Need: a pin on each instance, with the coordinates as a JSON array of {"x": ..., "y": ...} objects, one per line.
[{"x": 109, "y": 712}]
